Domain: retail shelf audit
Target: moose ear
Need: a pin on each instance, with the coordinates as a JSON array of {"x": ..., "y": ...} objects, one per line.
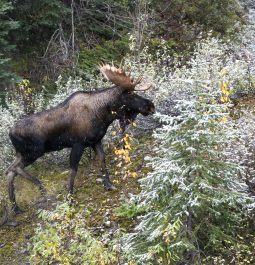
[
  {"x": 144, "y": 87},
  {"x": 118, "y": 77}
]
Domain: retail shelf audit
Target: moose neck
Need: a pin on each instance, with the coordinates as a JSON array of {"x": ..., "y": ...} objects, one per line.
[
  {"x": 117, "y": 106},
  {"x": 109, "y": 104}
]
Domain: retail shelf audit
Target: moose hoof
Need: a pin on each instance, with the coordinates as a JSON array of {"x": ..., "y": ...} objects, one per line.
[
  {"x": 43, "y": 191},
  {"x": 70, "y": 197},
  {"x": 109, "y": 186}
]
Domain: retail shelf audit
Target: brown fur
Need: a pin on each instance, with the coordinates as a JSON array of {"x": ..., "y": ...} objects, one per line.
[{"x": 78, "y": 122}]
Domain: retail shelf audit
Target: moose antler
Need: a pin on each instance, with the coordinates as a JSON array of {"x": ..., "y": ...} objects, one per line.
[{"x": 118, "y": 77}]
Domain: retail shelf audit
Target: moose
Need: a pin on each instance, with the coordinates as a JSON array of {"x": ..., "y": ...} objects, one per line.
[{"x": 78, "y": 122}]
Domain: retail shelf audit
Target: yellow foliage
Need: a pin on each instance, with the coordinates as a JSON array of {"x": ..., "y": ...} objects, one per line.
[
  {"x": 133, "y": 174},
  {"x": 25, "y": 88},
  {"x": 123, "y": 157},
  {"x": 224, "y": 119},
  {"x": 225, "y": 92}
]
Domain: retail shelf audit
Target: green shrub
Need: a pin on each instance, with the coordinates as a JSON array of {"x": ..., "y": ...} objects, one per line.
[
  {"x": 6, "y": 26},
  {"x": 128, "y": 210},
  {"x": 63, "y": 238},
  {"x": 186, "y": 20},
  {"x": 107, "y": 52}
]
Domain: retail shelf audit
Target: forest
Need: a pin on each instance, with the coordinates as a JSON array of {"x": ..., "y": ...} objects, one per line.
[{"x": 179, "y": 153}]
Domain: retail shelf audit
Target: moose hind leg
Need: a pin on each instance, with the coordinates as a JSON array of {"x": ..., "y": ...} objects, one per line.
[
  {"x": 16, "y": 161},
  {"x": 100, "y": 156},
  {"x": 11, "y": 190},
  {"x": 75, "y": 157}
]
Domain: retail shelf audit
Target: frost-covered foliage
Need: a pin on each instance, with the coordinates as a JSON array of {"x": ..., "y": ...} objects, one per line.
[
  {"x": 249, "y": 33},
  {"x": 66, "y": 88},
  {"x": 6, "y": 120},
  {"x": 197, "y": 207},
  {"x": 241, "y": 148},
  {"x": 63, "y": 238},
  {"x": 200, "y": 194},
  {"x": 213, "y": 62}
]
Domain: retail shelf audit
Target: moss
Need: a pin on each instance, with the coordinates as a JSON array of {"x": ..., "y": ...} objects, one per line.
[{"x": 14, "y": 239}]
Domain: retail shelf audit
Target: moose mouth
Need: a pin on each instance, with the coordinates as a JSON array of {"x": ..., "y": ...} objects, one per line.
[{"x": 151, "y": 110}]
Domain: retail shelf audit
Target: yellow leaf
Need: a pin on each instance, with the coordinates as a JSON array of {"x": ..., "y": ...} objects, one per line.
[
  {"x": 224, "y": 119},
  {"x": 127, "y": 146},
  {"x": 134, "y": 174}
]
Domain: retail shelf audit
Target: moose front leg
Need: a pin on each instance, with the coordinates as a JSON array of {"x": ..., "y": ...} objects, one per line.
[
  {"x": 100, "y": 156},
  {"x": 75, "y": 157}
]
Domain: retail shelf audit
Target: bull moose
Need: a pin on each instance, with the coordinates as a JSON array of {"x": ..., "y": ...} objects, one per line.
[{"x": 78, "y": 122}]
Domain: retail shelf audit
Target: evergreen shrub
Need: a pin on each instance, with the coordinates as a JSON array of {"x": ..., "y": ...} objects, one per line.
[{"x": 197, "y": 207}]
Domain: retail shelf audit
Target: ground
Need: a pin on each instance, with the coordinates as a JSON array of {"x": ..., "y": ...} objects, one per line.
[{"x": 89, "y": 192}]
